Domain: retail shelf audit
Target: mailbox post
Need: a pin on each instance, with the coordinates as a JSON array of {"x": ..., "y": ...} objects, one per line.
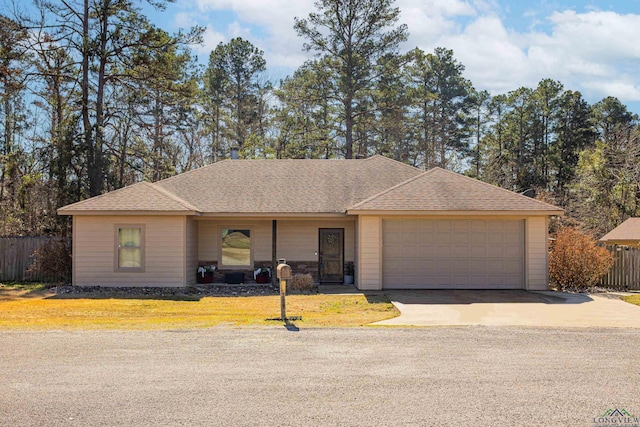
[{"x": 283, "y": 273}]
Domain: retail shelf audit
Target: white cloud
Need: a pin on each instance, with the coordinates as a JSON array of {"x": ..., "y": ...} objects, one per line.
[
  {"x": 211, "y": 38},
  {"x": 184, "y": 20},
  {"x": 622, "y": 89},
  {"x": 595, "y": 52},
  {"x": 267, "y": 24},
  {"x": 596, "y": 35},
  {"x": 493, "y": 60}
]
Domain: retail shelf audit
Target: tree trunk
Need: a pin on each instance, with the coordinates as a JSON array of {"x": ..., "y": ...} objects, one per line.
[
  {"x": 97, "y": 174},
  {"x": 86, "y": 119}
]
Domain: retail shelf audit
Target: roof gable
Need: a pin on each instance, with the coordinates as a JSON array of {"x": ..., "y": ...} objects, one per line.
[
  {"x": 141, "y": 197},
  {"x": 629, "y": 230},
  {"x": 438, "y": 190}
]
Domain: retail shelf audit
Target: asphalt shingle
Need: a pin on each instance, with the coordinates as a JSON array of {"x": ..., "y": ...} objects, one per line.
[
  {"x": 140, "y": 197},
  {"x": 441, "y": 190},
  {"x": 288, "y": 185},
  {"x": 296, "y": 186},
  {"x": 627, "y": 231}
]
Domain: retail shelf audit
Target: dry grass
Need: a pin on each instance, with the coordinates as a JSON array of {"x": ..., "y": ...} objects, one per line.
[
  {"x": 633, "y": 299},
  {"x": 26, "y": 308}
]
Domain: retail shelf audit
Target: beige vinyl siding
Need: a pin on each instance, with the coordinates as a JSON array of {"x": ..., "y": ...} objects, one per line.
[
  {"x": 537, "y": 273},
  {"x": 369, "y": 265},
  {"x": 209, "y": 238},
  {"x": 191, "y": 254},
  {"x": 95, "y": 251},
  {"x": 298, "y": 240}
]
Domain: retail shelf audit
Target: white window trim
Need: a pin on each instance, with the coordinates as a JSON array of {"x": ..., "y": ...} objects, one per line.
[
  {"x": 251, "y": 247},
  {"x": 116, "y": 258}
]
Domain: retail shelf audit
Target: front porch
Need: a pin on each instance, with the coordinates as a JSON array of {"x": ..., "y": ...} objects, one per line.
[{"x": 235, "y": 248}]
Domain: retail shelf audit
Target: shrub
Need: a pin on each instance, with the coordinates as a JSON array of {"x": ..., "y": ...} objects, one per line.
[
  {"x": 300, "y": 282},
  {"x": 576, "y": 261},
  {"x": 52, "y": 261}
]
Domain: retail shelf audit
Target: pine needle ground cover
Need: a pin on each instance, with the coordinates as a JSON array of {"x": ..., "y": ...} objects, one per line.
[{"x": 34, "y": 307}]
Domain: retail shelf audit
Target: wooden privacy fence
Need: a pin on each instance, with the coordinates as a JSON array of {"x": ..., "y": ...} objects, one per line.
[
  {"x": 625, "y": 273},
  {"x": 15, "y": 258}
]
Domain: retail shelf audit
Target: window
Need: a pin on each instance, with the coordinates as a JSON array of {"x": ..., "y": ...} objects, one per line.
[
  {"x": 130, "y": 245},
  {"x": 236, "y": 248}
]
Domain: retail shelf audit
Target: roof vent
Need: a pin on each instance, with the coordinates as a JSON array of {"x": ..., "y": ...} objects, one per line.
[{"x": 234, "y": 153}]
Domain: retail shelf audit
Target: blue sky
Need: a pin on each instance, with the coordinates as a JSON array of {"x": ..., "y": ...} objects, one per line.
[{"x": 589, "y": 45}]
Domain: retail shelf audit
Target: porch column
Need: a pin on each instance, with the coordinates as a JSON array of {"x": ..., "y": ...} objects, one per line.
[
  {"x": 274, "y": 255},
  {"x": 369, "y": 271}
]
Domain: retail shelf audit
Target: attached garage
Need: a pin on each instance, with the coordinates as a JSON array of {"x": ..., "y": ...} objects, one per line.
[{"x": 453, "y": 254}]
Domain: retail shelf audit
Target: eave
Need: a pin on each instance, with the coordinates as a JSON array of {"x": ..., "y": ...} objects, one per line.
[{"x": 558, "y": 212}]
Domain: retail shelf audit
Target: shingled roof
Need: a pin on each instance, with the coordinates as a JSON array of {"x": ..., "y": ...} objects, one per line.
[
  {"x": 628, "y": 231},
  {"x": 287, "y": 186},
  {"x": 143, "y": 197},
  {"x": 308, "y": 187},
  {"x": 438, "y": 190},
  {"x": 260, "y": 186}
]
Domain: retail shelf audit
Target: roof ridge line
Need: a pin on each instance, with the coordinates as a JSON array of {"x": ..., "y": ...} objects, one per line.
[
  {"x": 210, "y": 165},
  {"x": 172, "y": 196},
  {"x": 395, "y": 161}
]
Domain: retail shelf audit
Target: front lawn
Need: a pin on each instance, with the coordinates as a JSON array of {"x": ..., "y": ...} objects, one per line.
[
  {"x": 33, "y": 307},
  {"x": 633, "y": 299}
]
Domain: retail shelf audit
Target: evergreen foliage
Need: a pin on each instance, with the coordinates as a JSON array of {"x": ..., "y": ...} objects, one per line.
[{"x": 93, "y": 97}]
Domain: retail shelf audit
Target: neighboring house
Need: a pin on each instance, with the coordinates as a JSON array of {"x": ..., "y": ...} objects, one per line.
[
  {"x": 401, "y": 226},
  {"x": 627, "y": 234}
]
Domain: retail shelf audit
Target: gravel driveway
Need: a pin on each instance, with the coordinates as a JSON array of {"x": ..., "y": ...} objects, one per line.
[{"x": 480, "y": 376}]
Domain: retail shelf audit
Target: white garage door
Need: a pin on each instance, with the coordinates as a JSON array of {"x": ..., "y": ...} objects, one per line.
[{"x": 453, "y": 254}]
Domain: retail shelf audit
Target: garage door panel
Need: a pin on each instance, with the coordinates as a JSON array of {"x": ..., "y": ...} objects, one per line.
[
  {"x": 478, "y": 251},
  {"x": 409, "y": 250},
  {"x": 410, "y": 264},
  {"x": 511, "y": 238},
  {"x": 450, "y": 254},
  {"x": 444, "y": 238},
  {"x": 495, "y": 238},
  {"x": 427, "y": 251},
  {"x": 512, "y": 268},
  {"x": 476, "y": 237},
  {"x": 444, "y": 251},
  {"x": 514, "y": 250},
  {"x": 512, "y": 226},
  {"x": 460, "y": 238},
  {"x": 461, "y": 251}
]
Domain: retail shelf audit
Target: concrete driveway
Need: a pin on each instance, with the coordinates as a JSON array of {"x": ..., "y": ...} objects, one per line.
[{"x": 512, "y": 308}]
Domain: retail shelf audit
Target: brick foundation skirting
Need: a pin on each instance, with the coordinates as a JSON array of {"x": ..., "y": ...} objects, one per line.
[{"x": 297, "y": 267}]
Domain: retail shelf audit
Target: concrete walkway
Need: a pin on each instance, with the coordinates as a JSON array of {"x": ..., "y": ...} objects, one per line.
[{"x": 513, "y": 308}]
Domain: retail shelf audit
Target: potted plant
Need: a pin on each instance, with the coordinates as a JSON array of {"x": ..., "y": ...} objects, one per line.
[
  {"x": 262, "y": 275},
  {"x": 205, "y": 273},
  {"x": 349, "y": 273}
]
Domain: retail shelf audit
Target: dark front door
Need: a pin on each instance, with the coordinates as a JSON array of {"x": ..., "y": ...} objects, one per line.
[{"x": 331, "y": 254}]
